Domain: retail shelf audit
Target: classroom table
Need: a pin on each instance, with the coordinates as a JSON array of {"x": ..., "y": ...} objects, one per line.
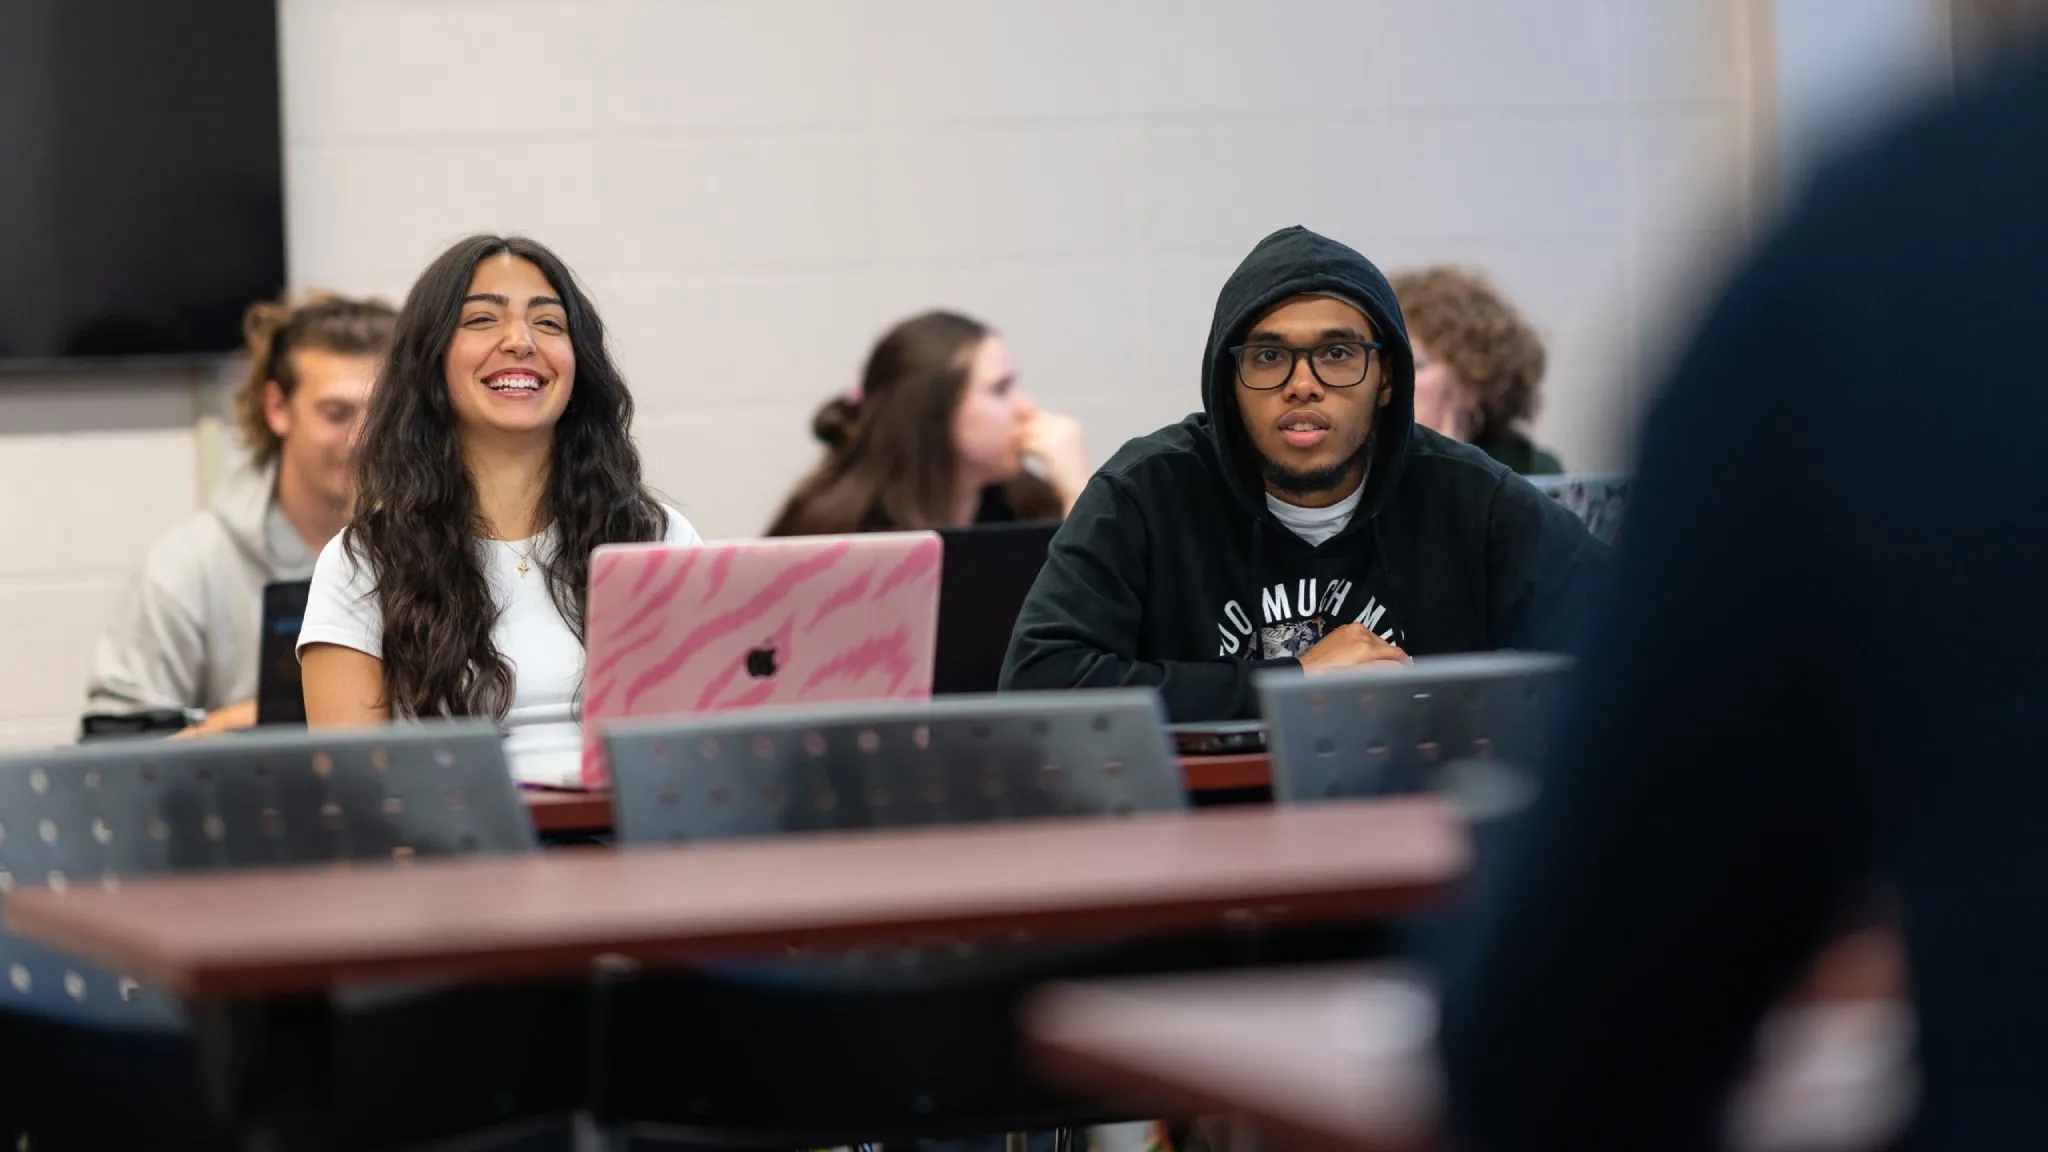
[
  {"x": 560, "y": 812},
  {"x": 280, "y": 931},
  {"x": 1341, "y": 1058},
  {"x": 1333, "y": 1059},
  {"x": 1226, "y": 773},
  {"x": 255, "y": 954}
]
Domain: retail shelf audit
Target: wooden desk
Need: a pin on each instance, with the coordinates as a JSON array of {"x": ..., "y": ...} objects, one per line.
[
  {"x": 558, "y": 811},
  {"x": 1330, "y": 1058},
  {"x": 1343, "y": 1058},
  {"x": 278, "y": 932},
  {"x": 591, "y": 812},
  {"x": 1224, "y": 773}
]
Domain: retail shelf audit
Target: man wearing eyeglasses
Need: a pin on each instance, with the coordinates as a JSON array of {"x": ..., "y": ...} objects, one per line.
[{"x": 1302, "y": 518}]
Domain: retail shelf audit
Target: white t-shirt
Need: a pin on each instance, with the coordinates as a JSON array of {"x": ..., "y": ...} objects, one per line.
[
  {"x": 543, "y": 736},
  {"x": 1316, "y": 525}
]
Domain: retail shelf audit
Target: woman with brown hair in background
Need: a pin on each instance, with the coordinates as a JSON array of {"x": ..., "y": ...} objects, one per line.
[
  {"x": 1478, "y": 365},
  {"x": 936, "y": 436}
]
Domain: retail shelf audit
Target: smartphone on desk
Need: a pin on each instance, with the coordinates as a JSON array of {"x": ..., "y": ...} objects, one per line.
[{"x": 1219, "y": 737}]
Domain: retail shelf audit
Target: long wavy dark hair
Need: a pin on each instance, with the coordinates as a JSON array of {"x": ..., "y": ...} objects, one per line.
[
  {"x": 889, "y": 461},
  {"x": 417, "y": 524}
]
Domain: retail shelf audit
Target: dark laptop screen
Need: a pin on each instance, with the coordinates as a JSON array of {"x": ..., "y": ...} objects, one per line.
[
  {"x": 988, "y": 571},
  {"x": 280, "y": 699}
]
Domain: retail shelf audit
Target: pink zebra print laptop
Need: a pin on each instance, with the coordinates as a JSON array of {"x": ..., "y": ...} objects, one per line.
[{"x": 674, "y": 629}]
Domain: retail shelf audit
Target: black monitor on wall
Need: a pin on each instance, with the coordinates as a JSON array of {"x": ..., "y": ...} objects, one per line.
[{"x": 141, "y": 178}]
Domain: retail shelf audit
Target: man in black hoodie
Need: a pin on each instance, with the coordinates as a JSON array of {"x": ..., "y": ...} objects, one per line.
[{"x": 1301, "y": 519}]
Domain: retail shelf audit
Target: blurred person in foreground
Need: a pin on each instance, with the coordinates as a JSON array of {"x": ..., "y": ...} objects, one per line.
[{"x": 1822, "y": 660}]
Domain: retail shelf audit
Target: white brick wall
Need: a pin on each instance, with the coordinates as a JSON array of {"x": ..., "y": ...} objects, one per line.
[
  {"x": 753, "y": 189},
  {"x": 92, "y": 470}
]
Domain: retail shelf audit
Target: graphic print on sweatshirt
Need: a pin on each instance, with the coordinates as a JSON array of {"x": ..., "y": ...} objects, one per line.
[{"x": 1294, "y": 614}]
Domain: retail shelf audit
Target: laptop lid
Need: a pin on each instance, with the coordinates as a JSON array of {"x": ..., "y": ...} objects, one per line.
[
  {"x": 682, "y": 629},
  {"x": 280, "y": 695},
  {"x": 989, "y": 570}
]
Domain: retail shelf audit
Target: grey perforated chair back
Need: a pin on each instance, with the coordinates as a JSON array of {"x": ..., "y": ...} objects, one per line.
[
  {"x": 1597, "y": 500},
  {"x": 952, "y": 760},
  {"x": 870, "y": 1043},
  {"x": 100, "y": 813},
  {"x": 1474, "y": 723}
]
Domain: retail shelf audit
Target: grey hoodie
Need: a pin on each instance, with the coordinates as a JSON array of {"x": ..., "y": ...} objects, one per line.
[{"x": 185, "y": 632}]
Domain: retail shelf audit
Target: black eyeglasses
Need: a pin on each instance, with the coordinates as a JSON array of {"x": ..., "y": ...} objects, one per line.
[{"x": 1264, "y": 367}]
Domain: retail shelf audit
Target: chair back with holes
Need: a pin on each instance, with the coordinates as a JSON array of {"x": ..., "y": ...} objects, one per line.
[
  {"x": 99, "y": 813},
  {"x": 1597, "y": 500},
  {"x": 854, "y": 1045},
  {"x": 1389, "y": 729},
  {"x": 956, "y": 760}
]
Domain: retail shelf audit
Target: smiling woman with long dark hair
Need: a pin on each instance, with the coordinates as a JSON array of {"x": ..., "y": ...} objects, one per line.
[{"x": 496, "y": 456}]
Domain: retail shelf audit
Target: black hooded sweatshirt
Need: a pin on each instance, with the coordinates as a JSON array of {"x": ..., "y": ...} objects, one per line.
[{"x": 1172, "y": 571}]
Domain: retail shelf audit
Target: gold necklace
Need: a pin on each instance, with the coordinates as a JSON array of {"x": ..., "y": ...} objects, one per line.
[{"x": 523, "y": 556}]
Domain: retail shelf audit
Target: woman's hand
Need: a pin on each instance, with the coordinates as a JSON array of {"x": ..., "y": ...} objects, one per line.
[{"x": 1055, "y": 442}]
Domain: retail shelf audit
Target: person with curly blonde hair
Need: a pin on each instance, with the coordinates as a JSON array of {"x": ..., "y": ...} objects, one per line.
[
  {"x": 1478, "y": 364},
  {"x": 184, "y": 635}
]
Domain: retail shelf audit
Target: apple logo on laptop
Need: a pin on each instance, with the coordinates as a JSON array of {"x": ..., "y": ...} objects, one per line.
[{"x": 761, "y": 662}]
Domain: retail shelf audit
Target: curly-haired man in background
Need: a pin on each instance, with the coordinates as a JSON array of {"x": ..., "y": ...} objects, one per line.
[{"x": 1478, "y": 364}]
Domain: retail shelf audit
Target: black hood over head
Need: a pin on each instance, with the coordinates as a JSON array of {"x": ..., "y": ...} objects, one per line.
[
  {"x": 1297, "y": 262},
  {"x": 1173, "y": 571}
]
